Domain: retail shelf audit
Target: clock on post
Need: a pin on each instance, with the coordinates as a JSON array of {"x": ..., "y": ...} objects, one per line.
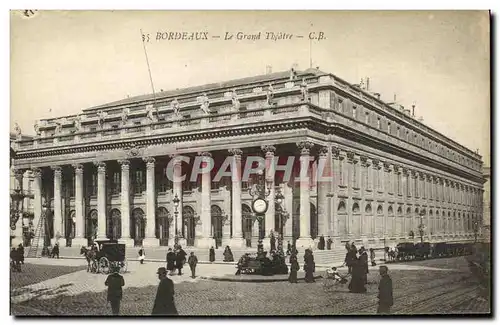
[{"x": 259, "y": 206}]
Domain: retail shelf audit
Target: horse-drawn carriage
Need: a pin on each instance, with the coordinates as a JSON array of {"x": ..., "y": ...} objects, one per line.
[{"x": 105, "y": 255}]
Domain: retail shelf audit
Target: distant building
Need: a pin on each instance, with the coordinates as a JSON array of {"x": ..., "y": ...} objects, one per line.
[{"x": 487, "y": 203}]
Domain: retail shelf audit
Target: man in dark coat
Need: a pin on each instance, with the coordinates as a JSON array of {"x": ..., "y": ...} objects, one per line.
[
  {"x": 20, "y": 251},
  {"x": 294, "y": 268},
  {"x": 357, "y": 284},
  {"x": 309, "y": 266},
  {"x": 211, "y": 254},
  {"x": 115, "y": 282},
  {"x": 164, "y": 301},
  {"x": 363, "y": 257},
  {"x": 170, "y": 261},
  {"x": 180, "y": 259},
  {"x": 55, "y": 251},
  {"x": 193, "y": 261},
  {"x": 385, "y": 299},
  {"x": 321, "y": 244}
]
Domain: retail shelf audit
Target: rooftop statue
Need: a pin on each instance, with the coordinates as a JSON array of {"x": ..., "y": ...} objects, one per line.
[
  {"x": 17, "y": 128},
  {"x": 78, "y": 123},
  {"x": 37, "y": 128},
  {"x": 235, "y": 101},
  {"x": 304, "y": 90},
  {"x": 125, "y": 113},
  {"x": 205, "y": 104},
  {"x": 100, "y": 118},
  {"x": 58, "y": 127},
  {"x": 150, "y": 113},
  {"x": 175, "y": 107},
  {"x": 270, "y": 94}
]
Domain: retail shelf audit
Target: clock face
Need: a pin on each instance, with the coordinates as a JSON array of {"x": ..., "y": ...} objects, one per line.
[{"x": 259, "y": 206}]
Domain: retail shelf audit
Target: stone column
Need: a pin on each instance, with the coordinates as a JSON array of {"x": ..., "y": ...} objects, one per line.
[
  {"x": 387, "y": 172},
  {"x": 125, "y": 202},
  {"x": 27, "y": 189},
  {"x": 206, "y": 241},
  {"x": 101, "y": 200},
  {"x": 150, "y": 240},
  {"x": 237, "y": 240},
  {"x": 324, "y": 185},
  {"x": 269, "y": 176},
  {"x": 288, "y": 206},
  {"x": 79, "y": 212},
  {"x": 428, "y": 214},
  {"x": 336, "y": 158},
  {"x": 37, "y": 204},
  {"x": 18, "y": 232},
  {"x": 305, "y": 239},
  {"x": 58, "y": 219}
]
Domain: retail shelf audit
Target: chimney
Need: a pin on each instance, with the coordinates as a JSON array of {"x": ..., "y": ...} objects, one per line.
[
  {"x": 367, "y": 83},
  {"x": 269, "y": 69},
  {"x": 394, "y": 98},
  {"x": 413, "y": 109}
]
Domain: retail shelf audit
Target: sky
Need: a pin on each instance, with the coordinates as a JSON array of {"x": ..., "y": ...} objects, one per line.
[{"x": 66, "y": 61}]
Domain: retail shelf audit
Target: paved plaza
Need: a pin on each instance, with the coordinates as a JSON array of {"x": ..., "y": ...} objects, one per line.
[{"x": 63, "y": 287}]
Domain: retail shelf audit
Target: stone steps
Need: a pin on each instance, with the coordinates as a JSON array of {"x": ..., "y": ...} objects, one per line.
[{"x": 321, "y": 257}]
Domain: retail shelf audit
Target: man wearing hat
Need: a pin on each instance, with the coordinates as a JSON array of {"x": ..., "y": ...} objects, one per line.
[
  {"x": 115, "y": 282},
  {"x": 164, "y": 301}
]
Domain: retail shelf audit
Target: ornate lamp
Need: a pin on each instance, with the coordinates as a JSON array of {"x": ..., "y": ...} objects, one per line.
[
  {"x": 259, "y": 189},
  {"x": 16, "y": 197},
  {"x": 176, "y": 201}
]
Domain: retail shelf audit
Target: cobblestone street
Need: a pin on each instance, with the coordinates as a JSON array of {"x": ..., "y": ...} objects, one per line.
[{"x": 436, "y": 286}]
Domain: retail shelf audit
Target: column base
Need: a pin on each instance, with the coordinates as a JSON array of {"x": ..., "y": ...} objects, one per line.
[
  {"x": 237, "y": 243},
  {"x": 304, "y": 243},
  {"x": 129, "y": 242},
  {"x": 150, "y": 242},
  {"x": 204, "y": 242},
  {"x": 79, "y": 242}
]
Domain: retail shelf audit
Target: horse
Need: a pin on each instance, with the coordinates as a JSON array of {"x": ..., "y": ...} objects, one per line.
[{"x": 90, "y": 256}]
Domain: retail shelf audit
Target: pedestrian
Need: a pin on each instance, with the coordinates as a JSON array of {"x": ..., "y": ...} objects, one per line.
[
  {"x": 363, "y": 257},
  {"x": 192, "y": 261},
  {"x": 170, "y": 261},
  {"x": 321, "y": 243},
  {"x": 55, "y": 251},
  {"x": 142, "y": 255},
  {"x": 329, "y": 243},
  {"x": 20, "y": 251},
  {"x": 211, "y": 254},
  {"x": 294, "y": 268},
  {"x": 14, "y": 260},
  {"x": 357, "y": 284},
  {"x": 385, "y": 299},
  {"x": 372, "y": 257},
  {"x": 228, "y": 255},
  {"x": 164, "y": 301},
  {"x": 288, "y": 248},
  {"x": 115, "y": 282},
  {"x": 180, "y": 259},
  {"x": 309, "y": 265}
]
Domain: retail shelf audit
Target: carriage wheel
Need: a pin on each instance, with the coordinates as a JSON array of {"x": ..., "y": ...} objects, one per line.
[
  {"x": 104, "y": 265},
  {"x": 123, "y": 266}
]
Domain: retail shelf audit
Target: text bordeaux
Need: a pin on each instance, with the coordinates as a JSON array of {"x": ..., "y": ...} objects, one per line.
[{"x": 182, "y": 36}]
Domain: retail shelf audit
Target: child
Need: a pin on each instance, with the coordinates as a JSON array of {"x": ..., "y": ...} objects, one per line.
[
  {"x": 142, "y": 255},
  {"x": 335, "y": 274}
]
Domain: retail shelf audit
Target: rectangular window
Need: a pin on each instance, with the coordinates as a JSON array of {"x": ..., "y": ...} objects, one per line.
[
  {"x": 139, "y": 181},
  {"x": 378, "y": 123},
  {"x": 389, "y": 127},
  {"x": 116, "y": 183},
  {"x": 398, "y": 131},
  {"x": 367, "y": 118},
  {"x": 354, "y": 113}
]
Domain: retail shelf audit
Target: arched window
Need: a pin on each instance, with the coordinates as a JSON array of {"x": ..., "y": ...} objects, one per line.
[
  {"x": 368, "y": 208},
  {"x": 341, "y": 208},
  {"x": 390, "y": 211},
  {"x": 380, "y": 210},
  {"x": 355, "y": 208}
]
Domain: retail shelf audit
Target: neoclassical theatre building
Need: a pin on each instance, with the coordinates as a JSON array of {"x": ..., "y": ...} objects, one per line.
[{"x": 102, "y": 173}]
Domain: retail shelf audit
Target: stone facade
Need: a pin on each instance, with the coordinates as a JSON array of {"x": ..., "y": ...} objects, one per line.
[{"x": 102, "y": 173}]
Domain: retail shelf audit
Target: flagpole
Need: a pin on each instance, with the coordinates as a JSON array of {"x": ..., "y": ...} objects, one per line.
[{"x": 149, "y": 71}]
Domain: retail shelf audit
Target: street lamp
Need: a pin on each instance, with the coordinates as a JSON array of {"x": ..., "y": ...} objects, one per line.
[
  {"x": 176, "y": 205},
  {"x": 259, "y": 189},
  {"x": 421, "y": 227},
  {"x": 476, "y": 228},
  {"x": 46, "y": 240}
]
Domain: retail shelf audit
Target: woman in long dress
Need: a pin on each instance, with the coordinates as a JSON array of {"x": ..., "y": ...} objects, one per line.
[{"x": 211, "y": 254}]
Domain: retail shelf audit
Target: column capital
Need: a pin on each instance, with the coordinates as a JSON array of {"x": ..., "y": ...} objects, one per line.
[
  {"x": 323, "y": 152},
  {"x": 18, "y": 173},
  {"x": 335, "y": 152},
  {"x": 150, "y": 161},
  {"x": 365, "y": 161},
  {"x": 205, "y": 154},
  {"x": 398, "y": 169},
  {"x": 101, "y": 166},
  {"x": 78, "y": 168},
  {"x": 376, "y": 163},
  {"x": 235, "y": 152},
  {"x": 125, "y": 163},
  {"x": 388, "y": 167},
  {"x": 37, "y": 172},
  {"x": 57, "y": 170},
  {"x": 305, "y": 147},
  {"x": 269, "y": 150},
  {"x": 406, "y": 171}
]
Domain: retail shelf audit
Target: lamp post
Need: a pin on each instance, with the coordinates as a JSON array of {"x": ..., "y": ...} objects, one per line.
[
  {"x": 45, "y": 250},
  {"x": 279, "y": 198},
  {"x": 476, "y": 228},
  {"x": 15, "y": 213},
  {"x": 421, "y": 227},
  {"x": 176, "y": 213}
]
